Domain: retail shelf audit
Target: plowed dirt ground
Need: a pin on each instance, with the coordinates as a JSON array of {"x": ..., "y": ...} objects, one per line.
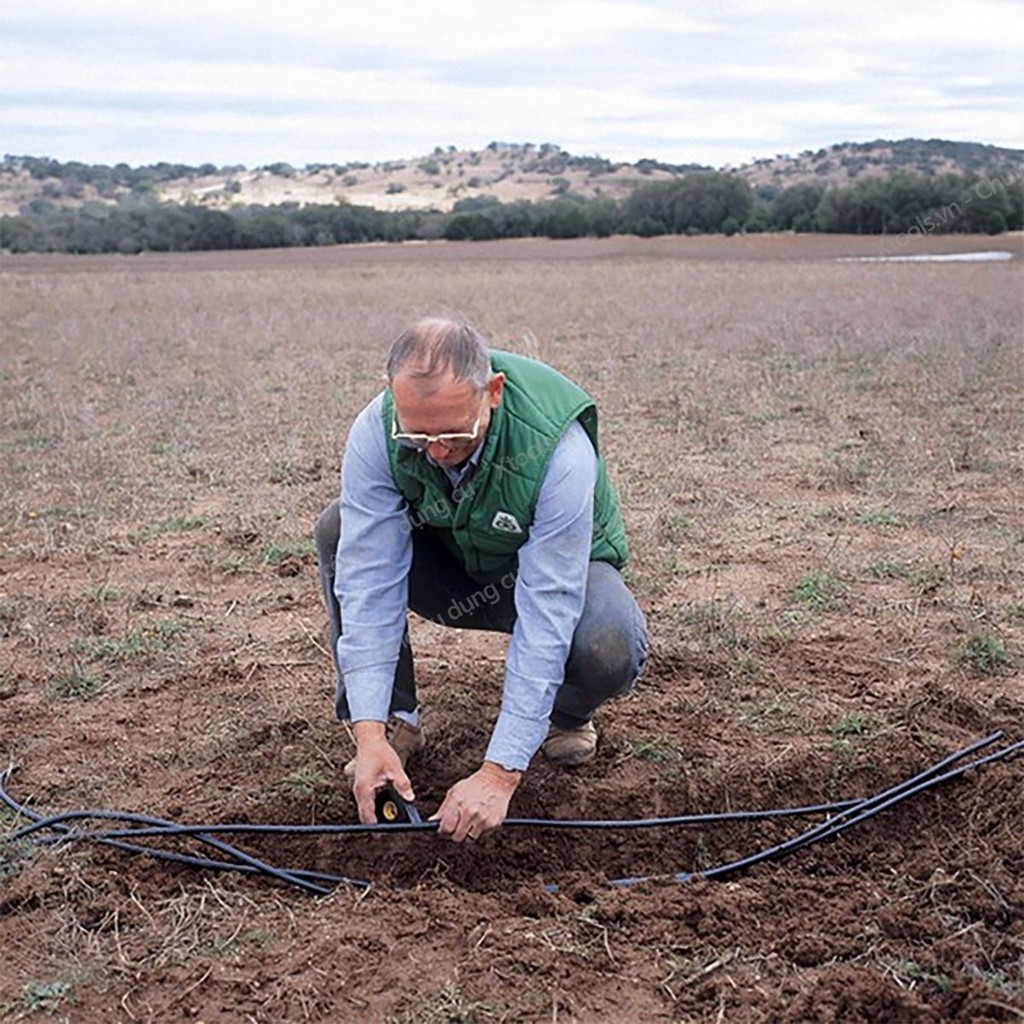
[{"x": 821, "y": 465}]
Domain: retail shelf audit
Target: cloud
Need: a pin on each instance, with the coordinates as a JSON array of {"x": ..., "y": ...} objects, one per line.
[{"x": 308, "y": 80}]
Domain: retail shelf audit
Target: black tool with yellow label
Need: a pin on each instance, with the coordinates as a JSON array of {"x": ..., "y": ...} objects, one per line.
[{"x": 393, "y": 809}]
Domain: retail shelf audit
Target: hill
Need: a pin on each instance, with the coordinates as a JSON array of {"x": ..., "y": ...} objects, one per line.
[
  {"x": 847, "y": 162},
  {"x": 504, "y": 171}
]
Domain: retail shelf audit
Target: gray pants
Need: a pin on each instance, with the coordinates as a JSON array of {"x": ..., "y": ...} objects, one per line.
[{"x": 608, "y": 649}]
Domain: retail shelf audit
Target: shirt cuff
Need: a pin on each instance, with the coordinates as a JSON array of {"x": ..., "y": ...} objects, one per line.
[
  {"x": 515, "y": 740},
  {"x": 368, "y": 692}
]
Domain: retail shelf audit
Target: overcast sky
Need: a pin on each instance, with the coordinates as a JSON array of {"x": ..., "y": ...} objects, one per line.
[{"x": 307, "y": 81}]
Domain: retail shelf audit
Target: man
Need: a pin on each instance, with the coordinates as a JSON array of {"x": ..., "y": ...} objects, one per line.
[{"x": 473, "y": 492}]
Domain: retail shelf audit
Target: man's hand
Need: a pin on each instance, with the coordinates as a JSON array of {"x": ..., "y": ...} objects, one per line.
[
  {"x": 478, "y": 804},
  {"x": 377, "y": 765}
]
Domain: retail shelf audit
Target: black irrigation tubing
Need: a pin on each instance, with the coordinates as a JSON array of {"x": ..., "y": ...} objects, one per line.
[
  {"x": 245, "y": 862},
  {"x": 847, "y": 813},
  {"x": 162, "y": 827},
  {"x": 156, "y": 829},
  {"x": 866, "y": 809}
]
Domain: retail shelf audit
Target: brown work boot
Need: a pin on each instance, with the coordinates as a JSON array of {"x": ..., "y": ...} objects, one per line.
[
  {"x": 569, "y": 747},
  {"x": 406, "y": 739}
]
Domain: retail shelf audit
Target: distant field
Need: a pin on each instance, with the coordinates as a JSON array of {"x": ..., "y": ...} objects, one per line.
[
  {"x": 674, "y": 247},
  {"x": 821, "y": 466}
]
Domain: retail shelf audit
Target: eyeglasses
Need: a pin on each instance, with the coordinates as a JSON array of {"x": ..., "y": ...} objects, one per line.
[{"x": 422, "y": 442}]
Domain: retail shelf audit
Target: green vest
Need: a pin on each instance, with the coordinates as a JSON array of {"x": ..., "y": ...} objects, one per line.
[{"x": 490, "y": 521}]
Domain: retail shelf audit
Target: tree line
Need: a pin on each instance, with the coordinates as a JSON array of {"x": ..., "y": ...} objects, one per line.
[{"x": 700, "y": 202}]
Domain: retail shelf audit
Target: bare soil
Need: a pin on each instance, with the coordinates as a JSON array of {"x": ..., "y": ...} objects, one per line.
[{"x": 821, "y": 468}]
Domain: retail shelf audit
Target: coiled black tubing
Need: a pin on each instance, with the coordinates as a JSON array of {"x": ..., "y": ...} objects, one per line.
[{"x": 839, "y": 817}]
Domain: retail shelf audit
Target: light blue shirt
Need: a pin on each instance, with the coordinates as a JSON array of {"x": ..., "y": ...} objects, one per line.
[{"x": 375, "y": 555}]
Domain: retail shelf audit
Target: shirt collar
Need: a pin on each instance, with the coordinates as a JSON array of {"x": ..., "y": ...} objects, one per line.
[{"x": 455, "y": 474}]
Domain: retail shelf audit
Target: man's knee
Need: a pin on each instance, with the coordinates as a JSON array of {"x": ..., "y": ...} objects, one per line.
[
  {"x": 609, "y": 656},
  {"x": 610, "y": 644}
]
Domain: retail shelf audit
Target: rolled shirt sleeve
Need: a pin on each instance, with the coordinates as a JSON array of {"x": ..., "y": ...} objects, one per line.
[
  {"x": 549, "y": 593},
  {"x": 372, "y": 570}
]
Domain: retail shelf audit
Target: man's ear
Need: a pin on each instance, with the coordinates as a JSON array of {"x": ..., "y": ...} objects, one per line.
[{"x": 495, "y": 387}]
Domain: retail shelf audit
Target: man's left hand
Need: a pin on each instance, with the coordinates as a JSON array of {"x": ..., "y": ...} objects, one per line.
[{"x": 478, "y": 804}]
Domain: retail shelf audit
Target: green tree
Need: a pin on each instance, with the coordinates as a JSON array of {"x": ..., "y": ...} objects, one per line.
[
  {"x": 798, "y": 201},
  {"x": 697, "y": 202}
]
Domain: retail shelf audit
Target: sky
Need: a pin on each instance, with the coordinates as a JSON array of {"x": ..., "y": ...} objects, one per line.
[{"x": 334, "y": 81}]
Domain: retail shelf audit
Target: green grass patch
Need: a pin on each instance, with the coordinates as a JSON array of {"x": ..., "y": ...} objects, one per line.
[
  {"x": 449, "y": 1006},
  {"x": 719, "y": 626},
  {"x": 219, "y": 949},
  {"x": 168, "y": 448},
  {"x": 985, "y": 654},
  {"x": 49, "y": 996},
  {"x": 9, "y": 615},
  {"x": 849, "y": 473},
  {"x": 771, "y": 713},
  {"x": 676, "y": 569},
  {"x": 887, "y": 569},
  {"x": 277, "y": 553},
  {"x": 75, "y": 686},
  {"x": 61, "y": 512},
  {"x": 744, "y": 667},
  {"x": 1014, "y": 611},
  {"x": 774, "y": 636},
  {"x": 999, "y": 981},
  {"x": 233, "y": 565},
  {"x": 657, "y": 751},
  {"x": 708, "y": 616},
  {"x": 178, "y": 524},
  {"x": 841, "y": 750},
  {"x": 15, "y": 854},
  {"x": 674, "y": 526},
  {"x": 702, "y": 857},
  {"x": 928, "y": 580},
  {"x": 912, "y": 971},
  {"x": 305, "y": 780},
  {"x": 820, "y": 591},
  {"x": 878, "y": 517},
  {"x": 33, "y": 442},
  {"x": 821, "y": 512},
  {"x": 137, "y": 643},
  {"x": 853, "y": 723}
]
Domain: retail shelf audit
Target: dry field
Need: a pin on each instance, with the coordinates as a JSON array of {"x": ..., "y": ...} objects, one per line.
[{"x": 821, "y": 469}]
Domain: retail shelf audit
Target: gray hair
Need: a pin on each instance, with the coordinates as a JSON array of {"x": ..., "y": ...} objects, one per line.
[{"x": 432, "y": 346}]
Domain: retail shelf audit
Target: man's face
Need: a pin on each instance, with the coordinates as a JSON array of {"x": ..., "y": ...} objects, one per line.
[{"x": 445, "y": 405}]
